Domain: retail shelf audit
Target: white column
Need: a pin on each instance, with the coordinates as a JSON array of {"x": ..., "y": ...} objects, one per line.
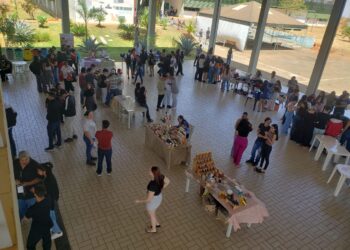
[
  {"x": 151, "y": 31},
  {"x": 215, "y": 24},
  {"x": 65, "y": 16},
  {"x": 326, "y": 46},
  {"x": 264, "y": 12}
]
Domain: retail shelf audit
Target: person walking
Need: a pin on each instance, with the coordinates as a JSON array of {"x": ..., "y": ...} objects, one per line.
[
  {"x": 255, "y": 154},
  {"x": 288, "y": 117},
  {"x": 90, "y": 103},
  {"x": 180, "y": 59},
  {"x": 41, "y": 221},
  {"x": 229, "y": 56},
  {"x": 207, "y": 35},
  {"x": 82, "y": 84},
  {"x": 154, "y": 197},
  {"x": 54, "y": 115},
  {"x": 151, "y": 62},
  {"x": 89, "y": 137},
  {"x": 69, "y": 115},
  {"x": 24, "y": 170},
  {"x": 68, "y": 76},
  {"x": 139, "y": 71},
  {"x": 104, "y": 140},
  {"x": 127, "y": 59},
  {"x": 167, "y": 98},
  {"x": 102, "y": 84},
  {"x": 35, "y": 68},
  {"x": 270, "y": 137},
  {"x": 243, "y": 127},
  {"x": 174, "y": 91},
  {"x": 53, "y": 193},
  {"x": 161, "y": 91},
  {"x": 198, "y": 53},
  {"x": 11, "y": 118}
]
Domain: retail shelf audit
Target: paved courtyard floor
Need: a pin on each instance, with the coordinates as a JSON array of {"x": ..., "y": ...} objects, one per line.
[{"x": 100, "y": 212}]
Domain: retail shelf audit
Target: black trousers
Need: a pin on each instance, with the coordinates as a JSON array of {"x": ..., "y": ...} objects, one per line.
[
  {"x": 160, "y": 99},
  {"x": 179, "y": 69},
  {"x": 36, "y": 235},
  {"x": 198, "y": 75},
  {"x": 265, "y": 155},
  {"x": 68, "y": 86},
  {"x": 147, "y": 112}
]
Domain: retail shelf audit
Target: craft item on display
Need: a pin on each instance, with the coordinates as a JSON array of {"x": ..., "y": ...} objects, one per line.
[{"x": 171, "y": 135}]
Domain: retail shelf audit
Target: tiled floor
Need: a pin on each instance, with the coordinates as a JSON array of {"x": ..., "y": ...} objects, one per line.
[{"x": 100, "y": 213}]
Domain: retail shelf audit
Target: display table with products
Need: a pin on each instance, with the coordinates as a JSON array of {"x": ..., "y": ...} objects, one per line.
[
  {"x": 100, "y": 63},
  {"x": 169, "y": 143},
  {"x": 240, "y": 204}
]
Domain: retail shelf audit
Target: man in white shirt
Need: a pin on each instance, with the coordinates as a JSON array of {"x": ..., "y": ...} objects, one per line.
[
  {"x": 68, "y": 76},
  {"x": 89, "y": 138}
]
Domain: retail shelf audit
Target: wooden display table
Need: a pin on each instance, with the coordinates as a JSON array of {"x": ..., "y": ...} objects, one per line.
[
  {"x": 253, "y": 212},
  {"x": 171, "y": 155}
]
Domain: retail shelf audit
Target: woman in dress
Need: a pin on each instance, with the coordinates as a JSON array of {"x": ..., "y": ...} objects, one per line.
[
  {"x": 154, "y": 197},
  {"x": 270, "y": 137},
  {"x": 243, "y": 128},
  {"x": 299, "y": 119}
]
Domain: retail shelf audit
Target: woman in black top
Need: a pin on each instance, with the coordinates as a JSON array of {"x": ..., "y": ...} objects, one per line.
[
  {"x": 240, "y": 143},
  {"x": 299, "y": 120},
  {"x": 154, "y": 196}
]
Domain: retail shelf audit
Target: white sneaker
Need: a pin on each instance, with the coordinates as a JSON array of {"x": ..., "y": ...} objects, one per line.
[{"x": 56, "y": 235}]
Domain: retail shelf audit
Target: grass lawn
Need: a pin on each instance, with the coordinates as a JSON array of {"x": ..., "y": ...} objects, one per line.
[{"x": 109, "y": 33}]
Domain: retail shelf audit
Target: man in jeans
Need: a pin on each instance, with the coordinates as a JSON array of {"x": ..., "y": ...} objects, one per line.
[
  {"x": 255, "y": 155},
  {"x": 89, "y": 137},
  {"x": 25, "y": 172},
  {"x": 54, "y": 115},
  {"x": 104, "y": 139}
]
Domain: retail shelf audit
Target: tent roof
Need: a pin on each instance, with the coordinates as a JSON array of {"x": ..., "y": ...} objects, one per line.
[{"x": 248, "y": 13}]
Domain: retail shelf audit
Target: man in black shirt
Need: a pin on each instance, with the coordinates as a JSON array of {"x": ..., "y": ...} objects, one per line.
[
  {"x": 321, "y": 122},
  {"x": 25, "y": 172},
  {"x": 5, "y": 67},
  {"x": 54, "y": 114},
  {"x": 255, "y": 155},
  {"x": 41, "y": 221}
]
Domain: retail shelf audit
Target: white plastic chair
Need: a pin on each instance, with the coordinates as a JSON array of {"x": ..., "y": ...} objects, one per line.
[{"x": 344, "y": 171}]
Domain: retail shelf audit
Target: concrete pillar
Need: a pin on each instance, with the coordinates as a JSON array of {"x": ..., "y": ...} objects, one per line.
[
  {"x": 136, "y": 23},
  {"x": 264, "y": 12},
  {"x": 326, "y": 46},
  {"x": 214, "y": 24},
  {"x": 65, "y": 17},
  {"x": 151, "y": 31}
]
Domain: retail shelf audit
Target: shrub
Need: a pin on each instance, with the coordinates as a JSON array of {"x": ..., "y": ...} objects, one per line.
[
  {"x": 187, "y": 44},
  {"x": 121, "y": 20},
  {"x": 78, "y": 29},
  {"x": 23, "y": 36},
  {"x": 42, "y": 37},
  {"x": 190, "y": 28},
  {"x": 42, "y": 20},
  {"x": 128, "y": 31},
  {"x": 164, "y": 23}
]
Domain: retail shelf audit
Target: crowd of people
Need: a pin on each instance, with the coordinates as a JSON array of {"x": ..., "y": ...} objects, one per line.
[{"x": 56, "y": 74}]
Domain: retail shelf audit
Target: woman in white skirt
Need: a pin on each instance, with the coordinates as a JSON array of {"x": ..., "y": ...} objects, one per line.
[{"x": 154, "y": 197}]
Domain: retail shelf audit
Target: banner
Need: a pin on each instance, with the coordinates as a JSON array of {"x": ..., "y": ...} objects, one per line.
[{"x": 67, "y": 40}]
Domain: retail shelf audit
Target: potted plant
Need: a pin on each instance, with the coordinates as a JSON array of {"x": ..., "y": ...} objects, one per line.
[{"x": 90, "y": 47}]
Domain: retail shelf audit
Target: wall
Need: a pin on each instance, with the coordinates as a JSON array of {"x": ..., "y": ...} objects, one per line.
[{"x": 7, "y": 185}]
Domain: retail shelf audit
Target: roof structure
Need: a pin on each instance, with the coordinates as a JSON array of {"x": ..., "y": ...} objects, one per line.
[
  {"x": 198, "y": 4},
  {"x": 248, "y": 13}
]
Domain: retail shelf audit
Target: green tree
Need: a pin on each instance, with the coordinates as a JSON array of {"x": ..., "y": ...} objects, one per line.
[
  {"x": 30, "y": 7},
  {"x": 144, "y": 19},
  {"x": 100, "y": 16},
  {"x": 85, "y": 13},
  {"x": 7, "y": 28},
  {"x": 42, "y": 20},
  {"x": 290, "y": 6}
]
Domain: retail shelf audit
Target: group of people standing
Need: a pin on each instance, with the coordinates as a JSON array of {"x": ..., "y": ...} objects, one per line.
[{"x": 267, "y": 134}]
